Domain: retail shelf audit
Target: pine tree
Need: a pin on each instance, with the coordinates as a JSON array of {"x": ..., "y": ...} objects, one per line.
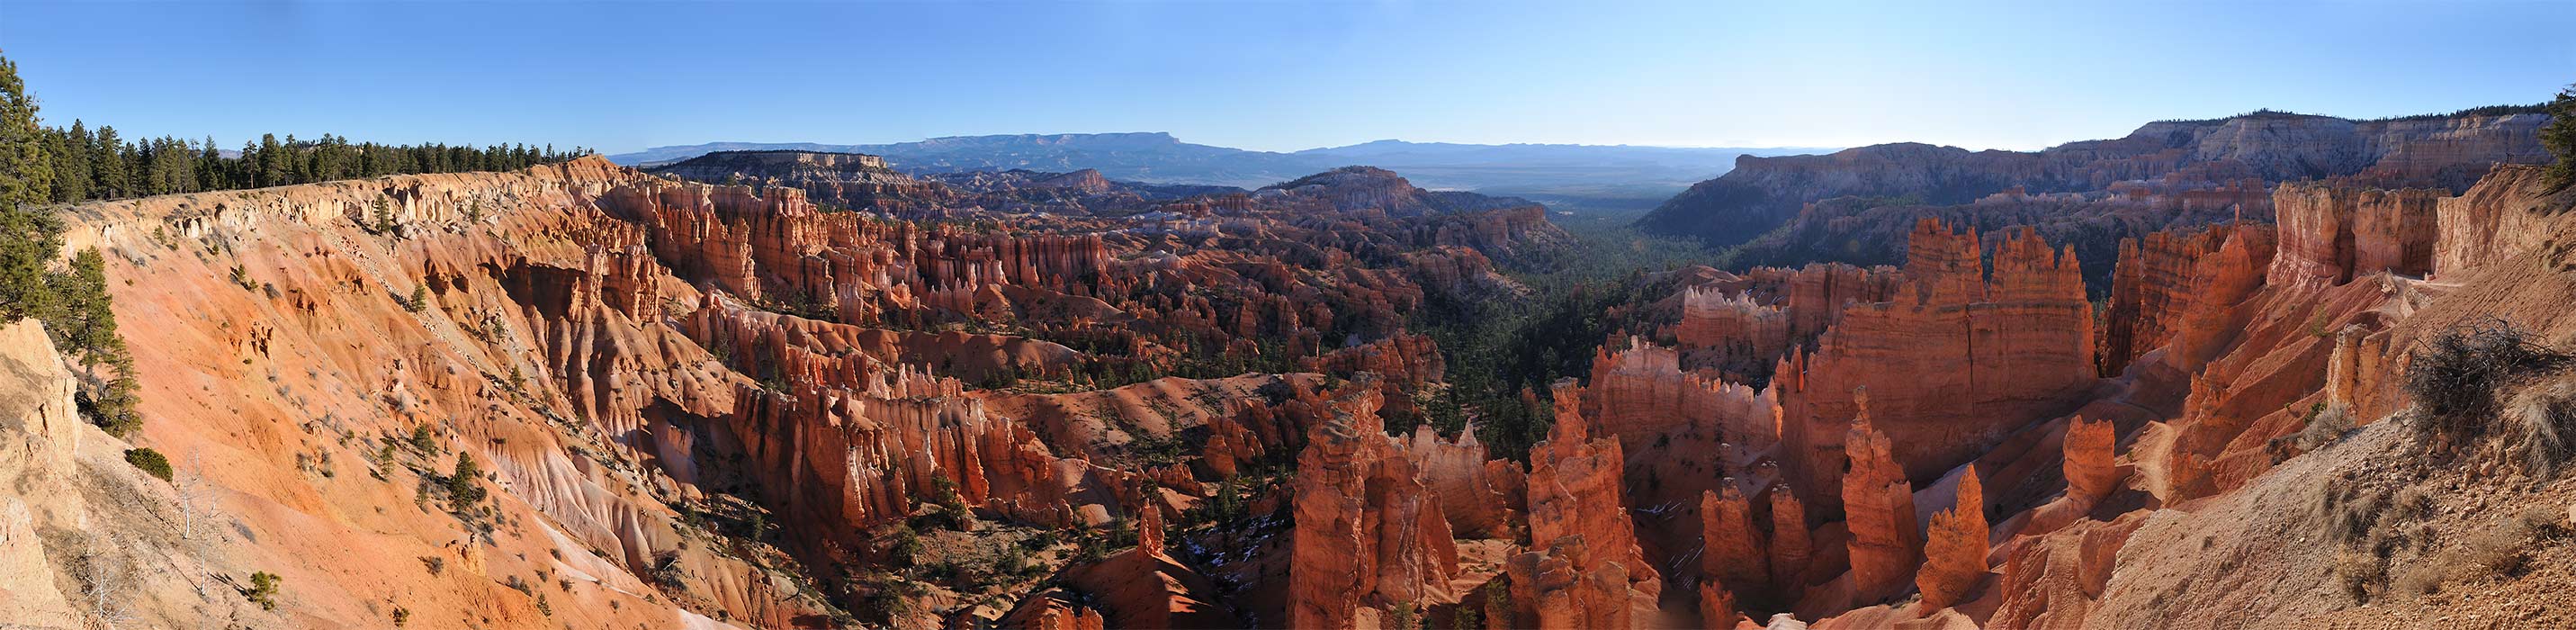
[
  {"x": 73, "y": 305},
  {"x": 84, "y": 325},
  {"x": 210, "y": 167},
  {"x": 26, "y": 173},
  {"x": 2560, "y": 138},
  {"x": 71, "y": 164},
  {"x": 272, "y": 162},
  {"x": 28, "y": 238},
  {"x": 242, "y": 172},
  {"x": 68, "y": 186},
  {"x": 463, "y": 483},
  {"x": 107, "y": 165}
]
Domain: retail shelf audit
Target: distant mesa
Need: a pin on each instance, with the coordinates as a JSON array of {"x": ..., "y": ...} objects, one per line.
[
  {"x": 2173, "y": 160},
  {"x": 849, "y": 180}
]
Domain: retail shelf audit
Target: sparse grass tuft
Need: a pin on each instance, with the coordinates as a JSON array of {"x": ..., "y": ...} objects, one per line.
[
  {"x": 2542, "y": 434},
  {"x": 2324, "y": 426},
  {"x": 2500, "y": 551}
]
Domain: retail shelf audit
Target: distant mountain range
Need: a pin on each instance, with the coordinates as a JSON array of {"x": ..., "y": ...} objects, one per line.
[{"x": 1576, "y": 174}]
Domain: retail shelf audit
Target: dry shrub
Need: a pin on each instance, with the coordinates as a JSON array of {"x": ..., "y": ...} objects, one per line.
[
  {"x": 2545, "y": 522},
  {"x": 2349, "y": 509},
  {"x": 2493, "y": 553},
  {"x": 2424, "y": 579},
  {"x": 2411, "y": 504},
  {"x": 2424, "y": 537},
  {"x": 2358, "y": 573},
  {"x": 2387, "y": 541},
  {"x": 2459, "y": 378}
]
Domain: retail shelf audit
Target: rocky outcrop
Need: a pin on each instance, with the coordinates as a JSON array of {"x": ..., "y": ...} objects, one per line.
[
  {"x": 2218, "y": 285},
  {"x": 1872, "y": 230},
  {"x": 1481, "y": 498},
  {"x": 2051, "y": 582},
  {"x": 1953, "y": 364},
  {"x": 1145, "y": 588},
  {"x": 870, "y": 439},
  {"x": 1954, "y": 550},
  {"x": 653, "y": 368},
  {"x": 2150, "y": 291},
  {"x": 1717, "y": 608},
  {"x": 847, "y": 180},
  {"x": 2089, "y": 470},
  {"x": 1732, "y": 552},
  {"x": 1567, "y": 587},
  {"x": 1815, "y": 296},
  {"x": 1515, "y": 234},
  {"x": 2331, "y": 234},
  {"x": 1879, "y": 505},
  {"x": 1369, "y": 532},
  {"x": 1077, "y": 193},
  {"x": 1049, "y": 613},
  {"x": 2499, "y": 218},
  {"x": 42, "y": 426},
  {"x": 538, "y": 348},
  {"x": 1640, "y": 394},
  {"x": 779, "y": 248},
  {"x": 1405, "y": 359},
  {"x": 1575, "y": 493},
  {"x": 1736, "y": 328},
  {"x": 1792, "y": 546}
]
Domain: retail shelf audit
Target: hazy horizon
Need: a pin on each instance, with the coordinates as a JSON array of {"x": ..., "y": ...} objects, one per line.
[{"x": 1268, "y": 77}]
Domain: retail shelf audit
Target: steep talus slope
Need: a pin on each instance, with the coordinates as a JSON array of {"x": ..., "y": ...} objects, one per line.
[{"x": 290, "y": 380}]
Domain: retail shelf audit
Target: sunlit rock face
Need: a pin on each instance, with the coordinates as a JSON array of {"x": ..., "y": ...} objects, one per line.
[
  {"x": 844, "y": 180},
  {"x": 1962, "y": 356},
  {"x": 1369, "y": 532}
]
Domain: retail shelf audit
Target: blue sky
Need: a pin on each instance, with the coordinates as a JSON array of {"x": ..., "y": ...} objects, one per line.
[{"x": 1269, "y": 75}]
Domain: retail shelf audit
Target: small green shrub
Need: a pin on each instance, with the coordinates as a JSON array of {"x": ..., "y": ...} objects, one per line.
[
  {"x": 263, "y": 589},
  {"x": 668, "y": 572},
  {"x": 424, "y": 440},
  {"x": 1404, "y": 617},
  {"x": 151, "y": 461}
]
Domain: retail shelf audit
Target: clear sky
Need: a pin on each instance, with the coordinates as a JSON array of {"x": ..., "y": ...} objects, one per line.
[{"x": 1269, "y": 75}]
